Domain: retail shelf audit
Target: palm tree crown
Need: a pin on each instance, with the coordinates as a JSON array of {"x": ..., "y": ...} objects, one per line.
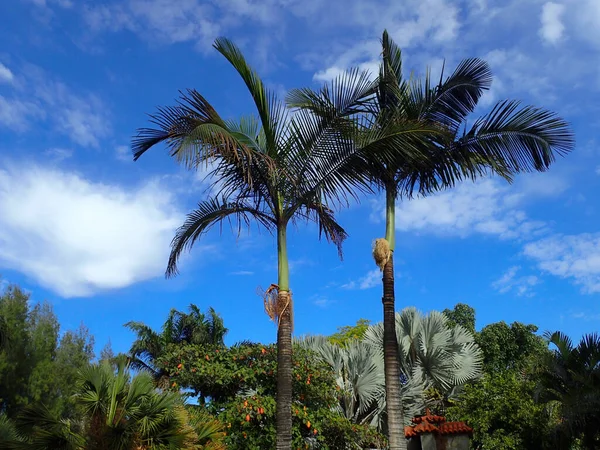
[{"x": 276, "y": 169}]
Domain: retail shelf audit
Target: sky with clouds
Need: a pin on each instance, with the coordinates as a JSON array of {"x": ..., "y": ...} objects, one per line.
[{"x": 86, "y": 228}]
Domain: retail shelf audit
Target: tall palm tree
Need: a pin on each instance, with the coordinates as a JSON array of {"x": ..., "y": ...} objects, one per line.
[
  {"x": 570, "y": 380},
  {"x": 194, "y": 327},
  {"x": 508, "y": 140},
  {"x": 274, "y": 169}
]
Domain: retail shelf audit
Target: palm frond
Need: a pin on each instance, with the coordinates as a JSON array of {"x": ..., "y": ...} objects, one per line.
[
  {"x": 272, "y": 112},
  {"x": 208, "y": 214},
  {"x": 390, "y": 86},
  {"x": 316, "y": 211},
  {"x": 512, "y": 139},
  {"x": 452, "y": 100}
]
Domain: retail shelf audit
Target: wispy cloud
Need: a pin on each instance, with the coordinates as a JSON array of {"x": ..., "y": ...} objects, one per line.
[
  {"x": 6, "y": 76},
  {"x": 242, "y": 272},
  {"x": 322, "y": 301},
  {"x": 370, "y": 280},
  {"x": 519, "y": 285},
  {"x": 552, "y": 28},
  {"x": 123, "y": 153},
  {"x": 587, "y": 317},
  {"x": 575, "y": 257},
  {"x": 184, "y": 21},
  {"x": 59, "y": 154},
  {"x": 40, "y": 98}
]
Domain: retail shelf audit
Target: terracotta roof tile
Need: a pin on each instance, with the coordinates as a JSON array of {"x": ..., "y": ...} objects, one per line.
[
  {"x": 428, "y": 417},
  {"x": 409, "y": 432},
  {"x": 454, "y": 428},
  {"x": 425, "y": 427}
]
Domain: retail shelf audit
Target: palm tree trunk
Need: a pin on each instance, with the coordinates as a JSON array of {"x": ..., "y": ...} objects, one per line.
[
  {"x": 395, "y": 413},
  {"x": 284, "y": 347}
]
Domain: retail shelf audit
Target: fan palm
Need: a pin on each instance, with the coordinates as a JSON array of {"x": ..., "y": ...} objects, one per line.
[
  {"x": 571, "y": 381},
  {"x": 358, "y": 371},
  {"x": 508, "y": 140},
  {"x": 119, "y": 413},
  {"x": 194, "y": 327},
  {"x": 430, "y": 352},
  {"x": 432, "y": 355},
  {"x": 274, "y": 169}
]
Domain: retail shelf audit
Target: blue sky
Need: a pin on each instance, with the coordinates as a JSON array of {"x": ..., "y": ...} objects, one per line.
[{"x": 85, "y": 228}]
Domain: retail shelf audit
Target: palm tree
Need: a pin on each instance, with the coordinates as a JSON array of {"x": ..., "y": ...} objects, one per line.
[
  {"x": 119, "y": 413},
  {"x": 274, "y": 169},
  {"x": 508, "y": 140},
  {"x": 570, "y": 381},
  {"x": 194, "y": 327},
  {"x": 358, "y": 371},
  {"x": 432, "y": 355}
]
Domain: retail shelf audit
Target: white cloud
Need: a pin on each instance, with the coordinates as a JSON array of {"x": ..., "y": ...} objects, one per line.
[
  {"x": 576, "y": 257},
  {"x": 520, "y": 285},
  {"x": 370, "y": 280},
  {"x": 322, "y": 301},
  {"x": 182, "y": 21},
  {"x": 123, "y": 153},
  {"x": 585, "y": 316},
  {"x": 408, "y": 23},
  {"x": 82, "y": 117},
  {"x": 552, "y": 27},
  {"x": 485, "y": 207},
  {"x": 45, "y": 3},
  {"x": 59, "y": 154},
  {"x": 6, "y": 76},
  {"x": 77, "y": 237},
  {"x": 242, "y": 273},
  {"x": 17, "y": 114}
]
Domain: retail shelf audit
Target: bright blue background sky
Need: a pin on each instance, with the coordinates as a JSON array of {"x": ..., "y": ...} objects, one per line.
[{"x": 85, "y": 228}]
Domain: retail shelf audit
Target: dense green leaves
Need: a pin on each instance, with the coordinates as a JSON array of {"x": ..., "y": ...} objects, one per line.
[
  {"x": 35, "y": 365},
  {"x": 510, "y": 347},
  {"x": 462, "y": 315},
  {"x": 180, "y": 328},
  {"x": 239, "y": 385},
  {"x": 570, "y": 382},
  {"x": 503, "y": 413}
]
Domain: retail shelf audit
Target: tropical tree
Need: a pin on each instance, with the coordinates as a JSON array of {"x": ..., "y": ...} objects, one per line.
[
  {"x": 275, "y": 169},
  {"x": 179, "y": 328},
  {"x": 508, "y": 140},
  {"x": 119, "y": 412},
  {"x": 434, "y": 356},
  {"x": 570, "y": 382},
  {"x": 358, "y": 371},
  {"x": 431, "y": 352}
]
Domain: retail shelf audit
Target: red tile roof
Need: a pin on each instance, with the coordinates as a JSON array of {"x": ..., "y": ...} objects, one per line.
[
  {"x": 409, "y": 432},
  {"x": 427, "y": 424},
  {"x": 454, "y": 428}
]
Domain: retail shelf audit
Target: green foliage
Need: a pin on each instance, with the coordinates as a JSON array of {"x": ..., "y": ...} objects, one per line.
[
  {"x": 35, "y": 366},
  {"x": 462, "y": 315},
  {"x": 349, "y": 333},
  {"x": 239, "y": 385},
  {"x": 510, "y": 347},
  {"x": 502, "y": 411},
  {"x": 570, "y": 382},
  {"x": 15, "y": 366},
  {"x": 179, "y": 329},
  {"x": 117, "y": 412}
]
